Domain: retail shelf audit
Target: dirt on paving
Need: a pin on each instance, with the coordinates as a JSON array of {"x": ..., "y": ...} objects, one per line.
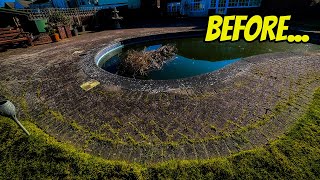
[{"x": 241, "y": 107}]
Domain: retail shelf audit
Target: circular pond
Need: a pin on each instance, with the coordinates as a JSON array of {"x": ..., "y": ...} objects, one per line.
[{"x": 195, "y": 57}]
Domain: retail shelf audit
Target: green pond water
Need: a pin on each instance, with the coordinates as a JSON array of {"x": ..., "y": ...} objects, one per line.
[{"x": 195, "y": 57}]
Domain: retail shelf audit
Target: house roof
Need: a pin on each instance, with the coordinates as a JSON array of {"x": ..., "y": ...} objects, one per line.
[
  {"x": 24, "y": 3},
  {"x": 18, "y": 4},
  {"x": 9, "y": 5}
]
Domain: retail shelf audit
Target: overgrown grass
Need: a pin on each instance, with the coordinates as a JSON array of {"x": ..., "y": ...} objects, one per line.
[
  {"x": 42, "y": 157},
  {"x": 295, "y": 155}
]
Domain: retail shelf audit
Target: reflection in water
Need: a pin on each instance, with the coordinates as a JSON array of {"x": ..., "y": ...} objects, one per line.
[
  {"x": 182, "y": 67},
  {"x": 196, "y": 57}
]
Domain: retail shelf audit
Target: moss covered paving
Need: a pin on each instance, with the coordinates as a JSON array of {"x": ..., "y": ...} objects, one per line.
[
  {"x": 243, "y": 106},
  {"x": 294, "y": 155},
  {"x": 247, "y": 107}
]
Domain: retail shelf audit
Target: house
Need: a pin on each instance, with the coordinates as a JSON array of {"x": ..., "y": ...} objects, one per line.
[
  {"x": 87, "y": 4},
  {"x": 198, "y": 8}
]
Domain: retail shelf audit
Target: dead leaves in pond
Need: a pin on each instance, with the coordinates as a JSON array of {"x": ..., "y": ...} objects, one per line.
[{"x": 140, "y": 63}]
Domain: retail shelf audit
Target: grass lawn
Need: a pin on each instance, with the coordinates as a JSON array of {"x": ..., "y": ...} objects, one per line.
[{"x": 295, "y": 155}]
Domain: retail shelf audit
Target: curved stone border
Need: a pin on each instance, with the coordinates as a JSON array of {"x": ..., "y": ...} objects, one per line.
[
  {"x": 233, "y": 109},
  {"x": 91, "y": 61},
  {"x": 268, "y": 122}
]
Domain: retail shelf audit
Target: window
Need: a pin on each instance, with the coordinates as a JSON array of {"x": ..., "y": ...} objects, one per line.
[
  {"x": 236, "y": 3},
  {"x": 197, "y": 5}
]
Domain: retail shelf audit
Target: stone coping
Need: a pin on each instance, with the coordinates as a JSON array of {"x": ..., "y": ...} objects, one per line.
[{"x": 91, "y": 63}]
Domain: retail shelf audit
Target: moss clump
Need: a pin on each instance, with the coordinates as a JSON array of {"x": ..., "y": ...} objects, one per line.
[{"x": 296, "y": 155}]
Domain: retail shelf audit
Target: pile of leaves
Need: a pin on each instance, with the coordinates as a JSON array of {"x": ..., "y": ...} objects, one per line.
[{"x": 140, "y": 63}]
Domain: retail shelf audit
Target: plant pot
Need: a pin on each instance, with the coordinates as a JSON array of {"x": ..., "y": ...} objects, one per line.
[
  {"x": 55, "y": 37},
  {"x": 62, "y": 32},
  {"x": 68, "y": 31},
  {"x": 75, "y": 31}
]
